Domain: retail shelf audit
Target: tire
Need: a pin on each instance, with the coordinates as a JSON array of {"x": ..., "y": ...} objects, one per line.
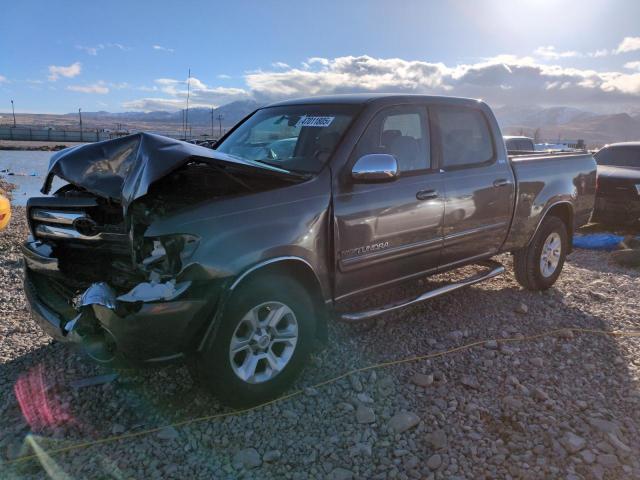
[
  {"x": 528, "y": 265},
  {"x": 267, "y": 297}
]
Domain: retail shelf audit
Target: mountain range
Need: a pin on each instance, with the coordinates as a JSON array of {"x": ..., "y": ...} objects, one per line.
[
  {"x": 542, "y": 123},
  {"x": 568, "y": 123},
  {"x": 230, "y": 114}
]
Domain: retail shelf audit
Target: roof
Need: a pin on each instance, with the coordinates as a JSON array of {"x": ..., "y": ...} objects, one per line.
[
  {"x": 516, "y": 137},
  {"x": 623, "y": 144},
  {"x": 362, "y": 98}
]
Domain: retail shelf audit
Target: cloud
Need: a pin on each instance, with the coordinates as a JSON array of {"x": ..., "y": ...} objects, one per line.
[
  {"x": 628, "y": 44},
  {"x": 93, "y": 51},
  {"x": 90, "y": 50},
  {"x": 200, "y": 95},
  {"x": 625, "y": 83},
  {"x": 163, "y": 49},
  {"x": 224, "y": 76},
  {"x": 3, "y": 79},
  {"x": 499, "y": 80},
  {"x": 550, "y": 53},
  {"x": 280, "y": 65},
  {"x": 346, "y": 74},
  {"x": 99, "y": 88},
  {"x": 57, "y": 71},
  {"x": 599, "y": 53}
]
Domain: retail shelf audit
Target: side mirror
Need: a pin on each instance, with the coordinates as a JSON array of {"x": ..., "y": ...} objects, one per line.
[{"x": 375, "y": 167}]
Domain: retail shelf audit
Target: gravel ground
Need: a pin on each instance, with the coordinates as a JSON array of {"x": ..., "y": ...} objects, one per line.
[{"x": 558, "y": 407}]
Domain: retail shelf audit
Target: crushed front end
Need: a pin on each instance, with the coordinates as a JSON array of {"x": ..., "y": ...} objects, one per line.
[
  {"x": 94, "y": 276},
  {"x": 86, "y": 286}
]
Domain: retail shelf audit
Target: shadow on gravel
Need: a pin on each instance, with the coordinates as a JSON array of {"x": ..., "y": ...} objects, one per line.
[{"x": 504, "y": 409}]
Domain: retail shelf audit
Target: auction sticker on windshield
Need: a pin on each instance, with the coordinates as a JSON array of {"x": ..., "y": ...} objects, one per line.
[{"x": 314, "y": 121}]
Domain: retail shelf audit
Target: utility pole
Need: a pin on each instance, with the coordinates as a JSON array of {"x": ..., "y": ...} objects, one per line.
[
  {"x": 186, "y": 114},
  {"x": 14, "y": 114},
  {"x": 211, "y": 122},
  {"x": 220, "y": 123},
  {"x": 80, "y": 115}
]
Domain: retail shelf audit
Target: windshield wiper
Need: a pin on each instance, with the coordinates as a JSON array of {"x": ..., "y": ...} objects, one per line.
[
  {"x": 296, "y": 173},
  {"x": 293, "y": 173}
]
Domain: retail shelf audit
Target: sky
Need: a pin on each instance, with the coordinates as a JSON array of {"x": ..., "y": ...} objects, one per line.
[{"x": 56, "y": 57}]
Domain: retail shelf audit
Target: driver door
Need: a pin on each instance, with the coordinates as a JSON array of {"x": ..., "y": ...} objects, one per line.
[{"x": 391, "y": 231}]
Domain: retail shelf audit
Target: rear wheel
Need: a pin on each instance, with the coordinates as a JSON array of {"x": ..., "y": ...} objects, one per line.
[
  {"x": 265, "y": 337},
  {"x": 538, "y": 266}
]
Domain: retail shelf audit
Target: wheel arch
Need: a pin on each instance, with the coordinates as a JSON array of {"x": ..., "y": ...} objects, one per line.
[
  {"x": 302, "y": 271},
  {"x": 562, "y": 210}
]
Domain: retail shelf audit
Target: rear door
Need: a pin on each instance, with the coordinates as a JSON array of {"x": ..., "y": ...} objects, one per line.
[
  {"x": 390, "y": 231},
  {"x": 478, "y": 182}
]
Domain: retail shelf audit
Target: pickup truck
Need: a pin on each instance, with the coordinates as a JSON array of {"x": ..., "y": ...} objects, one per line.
[{"x": 236, "y": 258}]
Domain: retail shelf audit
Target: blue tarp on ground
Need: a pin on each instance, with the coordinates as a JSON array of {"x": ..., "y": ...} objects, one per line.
[{"x": 597, "y": 241}]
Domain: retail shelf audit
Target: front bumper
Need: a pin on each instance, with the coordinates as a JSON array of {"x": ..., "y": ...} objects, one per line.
[{"x": 113, "y": 332}]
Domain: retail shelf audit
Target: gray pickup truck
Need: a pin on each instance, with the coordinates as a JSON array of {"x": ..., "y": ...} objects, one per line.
[{"x": 236, "y": 258}]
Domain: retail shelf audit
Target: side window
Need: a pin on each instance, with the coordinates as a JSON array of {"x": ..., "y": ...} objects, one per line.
[
  {"x": 401, "y": 132},
  {"x": 465, "y": 137}
]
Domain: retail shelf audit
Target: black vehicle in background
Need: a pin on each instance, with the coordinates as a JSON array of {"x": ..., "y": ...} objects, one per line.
[
  {"x": 517, "y": 145},
  {"x": 618, "y": 183}
]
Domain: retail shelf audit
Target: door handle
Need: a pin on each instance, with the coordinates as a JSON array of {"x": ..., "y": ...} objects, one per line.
[
  {"x": 426, "y": 195},
  {"x": 501, "y": 182}
]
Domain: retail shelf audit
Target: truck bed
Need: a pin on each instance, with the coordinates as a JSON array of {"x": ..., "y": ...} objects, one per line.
[{"x": 547, "y": 180}]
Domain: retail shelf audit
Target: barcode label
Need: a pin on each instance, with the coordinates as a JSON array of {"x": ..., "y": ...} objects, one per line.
[{"x": 314, "y": 121}]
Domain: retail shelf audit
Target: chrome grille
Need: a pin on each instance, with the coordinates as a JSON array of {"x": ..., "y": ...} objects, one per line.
[
  {"x": 56, "y": 217},
  {"x": 71, "y": 233},
  {"x": 56, "y": 222}
]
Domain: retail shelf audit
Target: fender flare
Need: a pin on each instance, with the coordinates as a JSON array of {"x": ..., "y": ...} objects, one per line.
[
  {"x": 227, "y": 291},
  {"x": 544, "y": 215}
]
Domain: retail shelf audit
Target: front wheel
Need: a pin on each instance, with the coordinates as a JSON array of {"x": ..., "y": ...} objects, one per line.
[
  {"x": 265, "y": 337},
  {"x": 538, "y": 266}
]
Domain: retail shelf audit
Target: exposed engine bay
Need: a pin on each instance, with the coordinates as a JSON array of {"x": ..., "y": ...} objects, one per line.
[{"x": 97, "y": 232}]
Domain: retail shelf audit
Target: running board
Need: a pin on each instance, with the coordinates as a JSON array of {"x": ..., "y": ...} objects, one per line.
[{"x": 495, "y": 270}]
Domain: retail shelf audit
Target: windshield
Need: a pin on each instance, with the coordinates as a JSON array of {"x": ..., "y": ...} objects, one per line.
[
  {"x": 300, "y": 138},
  {"x": 619, "y": 157}
]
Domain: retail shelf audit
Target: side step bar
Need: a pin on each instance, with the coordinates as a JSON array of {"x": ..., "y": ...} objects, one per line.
[{"x": 495, "y": 270}]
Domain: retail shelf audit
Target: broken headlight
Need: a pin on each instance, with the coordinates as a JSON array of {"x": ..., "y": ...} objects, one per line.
[{"x": 167, "y": 254}]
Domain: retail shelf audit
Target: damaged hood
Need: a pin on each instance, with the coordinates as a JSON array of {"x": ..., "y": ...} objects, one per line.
[{"x": 123, "y": 169}]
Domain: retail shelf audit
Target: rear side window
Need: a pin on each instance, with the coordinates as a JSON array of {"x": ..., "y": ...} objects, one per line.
[
  {"x": 528, "y": 145},
  {"x": 465, "y": 137},
  {"x": 619, "y": 156},
  {"x": 519, "y": 144},
  {"x": 401, "y": 132}
]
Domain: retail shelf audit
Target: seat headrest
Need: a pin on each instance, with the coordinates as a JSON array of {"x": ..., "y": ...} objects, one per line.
[
  {"x": 388, "y": 136},
  {"x": 407, "y": 153}
]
